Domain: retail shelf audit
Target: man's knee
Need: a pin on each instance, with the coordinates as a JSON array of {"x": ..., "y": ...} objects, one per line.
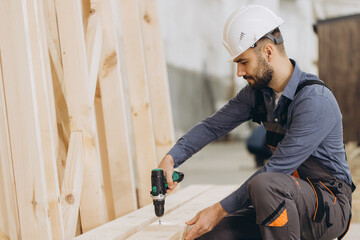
[{"x": 265, "y": 183}]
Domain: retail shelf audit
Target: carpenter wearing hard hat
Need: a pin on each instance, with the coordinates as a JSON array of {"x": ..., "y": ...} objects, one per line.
[{"x": 304, "y": 191}]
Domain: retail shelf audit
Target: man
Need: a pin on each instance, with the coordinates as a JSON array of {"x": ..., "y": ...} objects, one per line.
[{"x": 304, "y": 191}]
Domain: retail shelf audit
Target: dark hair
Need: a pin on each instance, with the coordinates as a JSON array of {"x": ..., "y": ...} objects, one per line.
[{"x": 262, "y": 41}]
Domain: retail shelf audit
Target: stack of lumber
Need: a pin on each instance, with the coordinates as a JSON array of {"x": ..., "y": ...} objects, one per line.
[
  {"x": 84, "y": 113},
  {"x": 180, "y": 206}
]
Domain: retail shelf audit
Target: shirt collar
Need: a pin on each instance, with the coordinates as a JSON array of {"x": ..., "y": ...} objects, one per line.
[
  {"x": 290, "y": 89},
  {"x": 294, "y": 81}
]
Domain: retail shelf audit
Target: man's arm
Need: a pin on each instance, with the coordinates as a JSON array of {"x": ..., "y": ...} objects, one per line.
[{"x": 235, "y": 112}]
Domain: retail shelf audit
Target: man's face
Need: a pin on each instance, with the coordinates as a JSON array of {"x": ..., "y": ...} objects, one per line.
[{"x": 254, "y": 69}]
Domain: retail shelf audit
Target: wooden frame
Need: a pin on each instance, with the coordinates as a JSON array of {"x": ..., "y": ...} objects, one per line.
[{"x": 70, "y": 83}]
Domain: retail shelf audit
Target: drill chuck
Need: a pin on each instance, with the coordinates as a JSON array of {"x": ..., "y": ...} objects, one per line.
[{"x": 159, "y": 207}]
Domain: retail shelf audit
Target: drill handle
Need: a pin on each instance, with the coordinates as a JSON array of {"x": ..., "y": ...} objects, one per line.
[{"x": 177, "y": 177}]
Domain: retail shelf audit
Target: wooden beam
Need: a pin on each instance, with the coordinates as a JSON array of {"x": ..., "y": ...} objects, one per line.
[
  {"x": 101, "y": 133},
  {"x": 93, "y": 45},
  {"x": 9, "y": 204},
  {"x": 19, "y": 86},
  {"x": 124, "y": 227},
  {"x": 139, "y": 98},
  {"x": 173, "y": 224},
  {"x": 121, "y": 172},
  {"x": 52, "y": 32},
  {"x": 4, "y": 227},
  {"x": 3, "y": 236},
  {"x": 81, "y": 110},
  {"x": 46, "y": 112},
  {"x": 72, "y": 184},
  {"x": 63, "y": 124},
  {"x": 160, "y": 102}
]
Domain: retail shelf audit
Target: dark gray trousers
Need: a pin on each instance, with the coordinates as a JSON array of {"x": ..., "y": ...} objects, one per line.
[{"x": 285, "y": 207}]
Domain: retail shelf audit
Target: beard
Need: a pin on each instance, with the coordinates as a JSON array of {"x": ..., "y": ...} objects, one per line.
[{"x": 262, "y": 75}]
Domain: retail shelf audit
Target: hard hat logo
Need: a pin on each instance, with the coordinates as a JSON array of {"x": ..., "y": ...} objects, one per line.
[
  {"x": 242, "y": 36},
  {"x": 246, "y": 26}
]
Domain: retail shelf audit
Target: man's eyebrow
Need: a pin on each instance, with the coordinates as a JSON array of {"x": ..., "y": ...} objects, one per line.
[{"x": 240, "y": 60}]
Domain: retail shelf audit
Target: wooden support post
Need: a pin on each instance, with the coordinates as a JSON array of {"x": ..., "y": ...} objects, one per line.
[
  {"x": 81, "y": 110},
  {"x": 22, "y": 109},
  {"x": 139, "y": 99},
  {"x": 46, "y": 112},
  {"x": 93, "y": 45},
  {"x": 120, "y": 169},
  {"x": 124, "y": 227},
  {"x": 94, "y": 38},
  {"x": 63, "y": 124},
  {"x": 9, "y": 208},
  {"x": 71, "y": 186},
  {"x": 173, "y": 224},
  {"x": 157, "y": 78},
  {"x": 101, "y": 133}
]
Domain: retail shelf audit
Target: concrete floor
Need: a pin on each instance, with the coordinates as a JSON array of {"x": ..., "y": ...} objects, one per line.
[{"x": 229, "y": 163}]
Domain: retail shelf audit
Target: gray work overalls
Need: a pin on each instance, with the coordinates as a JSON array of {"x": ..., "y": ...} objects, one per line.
[{"x": 310, "y": 204}]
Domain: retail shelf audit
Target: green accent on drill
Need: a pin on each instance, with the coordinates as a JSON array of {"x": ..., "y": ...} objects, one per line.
[
  {"x": 154, "y": 189},
  {"x": 175, "y": 176},
  {"x": 156, "y": 169}
]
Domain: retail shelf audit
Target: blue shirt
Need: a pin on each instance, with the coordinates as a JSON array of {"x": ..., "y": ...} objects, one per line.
[{"x": 314, "y": 127}]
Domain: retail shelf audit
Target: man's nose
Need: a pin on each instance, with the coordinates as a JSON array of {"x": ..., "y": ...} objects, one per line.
[{"x": 240, "y": 70}]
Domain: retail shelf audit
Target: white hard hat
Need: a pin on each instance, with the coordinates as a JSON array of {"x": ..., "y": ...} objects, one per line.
[{"x": 246, "y": 26}]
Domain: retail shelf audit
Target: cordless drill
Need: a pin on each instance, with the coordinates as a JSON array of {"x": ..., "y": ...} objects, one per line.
[{"x": 159, "y": 187}]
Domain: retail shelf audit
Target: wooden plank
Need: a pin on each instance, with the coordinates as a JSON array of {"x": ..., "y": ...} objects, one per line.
[
  {"x": 93, "y": 45},
  {"x": 4, "y": 228},
  {"x": 19, "y": 86},
  {"x": 173, "y": 224},
  {"x": 62, "y": 118},
  {"x": 46, "y": 112},
  {"x": 5, "y": 158},
  {"x": 104, "y": 155},
  {"x": 81, "y": 110},
  {"x": 9, "y": 209},
  {"x": 3, "y": 236},
  {"x": 71, "y": 186},
  {"x": 139, "y": 99},
  {"x": 124, "y": 227},
  {"x": 52, "y": 32},
  {"x": 121, "y": 172},
  {"x": 157, "y": 78}
]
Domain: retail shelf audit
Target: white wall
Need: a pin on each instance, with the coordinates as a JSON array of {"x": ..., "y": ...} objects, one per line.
[{"x": 192, "y": 33}]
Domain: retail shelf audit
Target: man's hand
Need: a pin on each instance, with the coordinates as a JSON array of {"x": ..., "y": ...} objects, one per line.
[
  {"x": 167, "y": 165},
  {"x": 205, "y": 221}
]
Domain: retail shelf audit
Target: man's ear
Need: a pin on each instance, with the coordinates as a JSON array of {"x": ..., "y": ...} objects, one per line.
[{"x": 268, "y": 51}]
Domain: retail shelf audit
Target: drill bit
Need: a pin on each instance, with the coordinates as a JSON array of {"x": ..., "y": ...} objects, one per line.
[{"x": 159, "y": 221}]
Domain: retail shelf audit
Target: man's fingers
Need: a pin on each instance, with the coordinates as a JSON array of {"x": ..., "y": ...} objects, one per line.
[
  {"x": 168, "y": 175},
  {"x": 195, "y": 232},
  {"x": 172, "y": 187},
  {"x": 193, "y": 220}
]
